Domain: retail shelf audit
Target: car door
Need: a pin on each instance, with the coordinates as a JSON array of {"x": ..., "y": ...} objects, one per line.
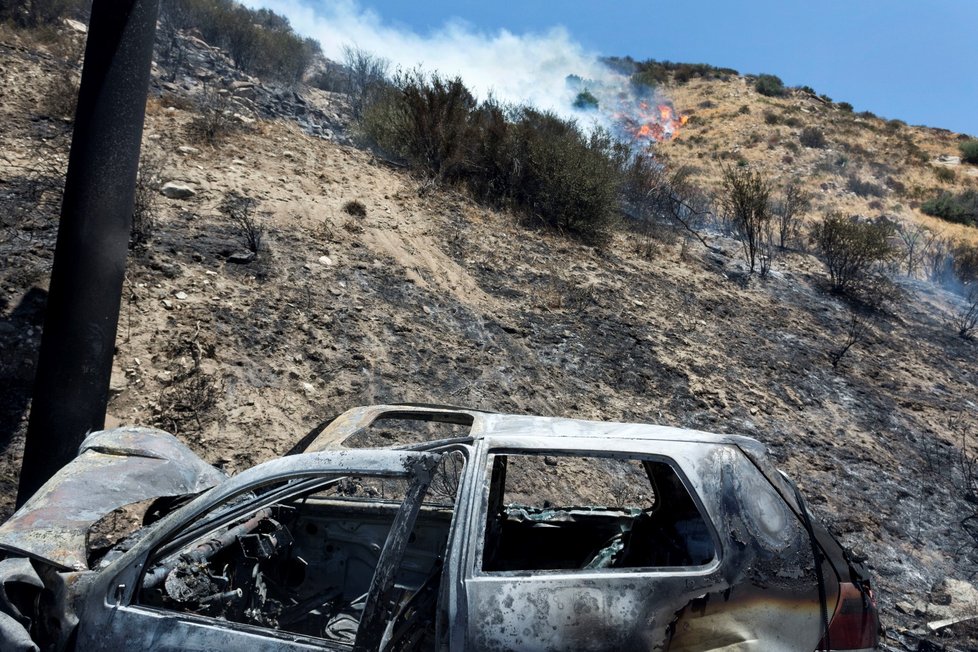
[
  {"x": 632, "y": 545},
  {"x": 301, "y": 553}
]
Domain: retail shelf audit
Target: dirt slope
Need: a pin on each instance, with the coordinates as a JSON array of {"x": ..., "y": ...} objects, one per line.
[{"x": 431, "y": 298}]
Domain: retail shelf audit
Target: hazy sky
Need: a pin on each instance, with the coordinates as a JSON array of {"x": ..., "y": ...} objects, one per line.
[{"x": 912, "y": 60}]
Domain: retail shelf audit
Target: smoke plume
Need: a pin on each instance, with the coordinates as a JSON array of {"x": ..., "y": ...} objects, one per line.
[{"x": 546, "y": 70}]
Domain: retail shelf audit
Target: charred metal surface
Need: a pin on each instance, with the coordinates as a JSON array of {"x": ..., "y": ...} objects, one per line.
[
  {"x": 19, "y": 590},
  {"x": 750, "y": 586},
  {"x": 113, "y": 468},
  {"x": 758, "y": 594},
  {"x": 352, "y": 421}
]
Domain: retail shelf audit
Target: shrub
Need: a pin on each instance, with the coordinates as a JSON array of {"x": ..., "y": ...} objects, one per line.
[
  {"x": 37, "y": 13},
  {"x": 745, "y": 199},
  {"x": 786, "y": 210},
  {"x": 60, "y": 98},
  {"x": 214, "y": 120},
  {"x": 845, "y": 106},
  {"x": 770, "y": 85},
  {"x": 743, "y": 110},
  {"x": 771, "y": 118},
  {"x": 964, "y": 262},
  {"x": 146, "y": 200},
  {"x": 424, "y": 120},
  {"x": 856, "y": 331},
  {"x": 259, "y": 42},
  {"x": 366, "y": 78},
  {"x": 561, "y": 177},
  {"x": 969, "y": 151},
  {"x": 585, "y": 101},
  {"x": 944, "y": 175},
  {"x": 355, "y": 208},
  {"x": 535, "y": 162},
  {"x": 240, "y": 211},
  {"x": 966, "y": 318},
  {"x": 812, "y": 137},
  {"x": 852, "y": 250},
  {"x": 864, "y": 188},
  {"x": 961, "y": 208}
]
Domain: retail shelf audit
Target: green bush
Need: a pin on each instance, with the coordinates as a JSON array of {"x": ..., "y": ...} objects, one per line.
[
  {"x": 961, "y": 208},
  {"x": 969, "y": 151},
  {"x": 425, "y": 120},
  {"x": 770, "y": 85},
  {"x": 746, "y": 195},
  {"x": 585, "y": 101},
  {"x": 563, "y": 178},
  {"x": 259, "y": 42},
  {"x": 812, "y": 137},
  {"x": 845, "y": 106},
  {"x": 534, "y": 162},
  {"x": 853, "y": 250},
  {"x": 651, "y": 73},
  {"x": 771, "y": 118}
]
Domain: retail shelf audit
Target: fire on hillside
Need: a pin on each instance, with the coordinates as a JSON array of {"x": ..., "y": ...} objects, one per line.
[{"x": 650, "y": 122}]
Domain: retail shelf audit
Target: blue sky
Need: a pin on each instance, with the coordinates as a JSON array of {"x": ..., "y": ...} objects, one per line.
[{"x": 916, "y": 61}]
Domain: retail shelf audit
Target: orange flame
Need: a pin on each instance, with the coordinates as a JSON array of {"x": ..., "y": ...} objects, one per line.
[{"x": 644, "y": 122}]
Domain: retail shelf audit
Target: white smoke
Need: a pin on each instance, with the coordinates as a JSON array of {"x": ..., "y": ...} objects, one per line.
[{"x": 526, "y": 68}]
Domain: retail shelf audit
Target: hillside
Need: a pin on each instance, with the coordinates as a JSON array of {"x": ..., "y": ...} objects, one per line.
[
  {"x": 375, "y": 286},
  {"x": 897, "y": 166}
]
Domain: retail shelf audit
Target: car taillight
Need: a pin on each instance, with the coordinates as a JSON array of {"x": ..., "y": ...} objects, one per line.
[{"x": 855, "y": 623}]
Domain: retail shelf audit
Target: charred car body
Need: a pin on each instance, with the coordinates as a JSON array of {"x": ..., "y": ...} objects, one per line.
[{"x": 521, "y": 533}]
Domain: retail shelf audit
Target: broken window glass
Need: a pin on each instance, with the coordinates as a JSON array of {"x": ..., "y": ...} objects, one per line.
[{"x": 565, "y": 511}]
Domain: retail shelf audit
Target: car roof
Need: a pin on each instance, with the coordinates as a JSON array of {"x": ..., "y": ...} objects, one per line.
[{"x": 499, "y": 426}]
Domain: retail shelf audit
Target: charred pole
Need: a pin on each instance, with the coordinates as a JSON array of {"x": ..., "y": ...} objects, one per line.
[{"x": 71, "y": 388}]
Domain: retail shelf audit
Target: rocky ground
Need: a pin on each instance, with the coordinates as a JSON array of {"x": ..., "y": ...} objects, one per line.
[{"x": 426, "y": 296}]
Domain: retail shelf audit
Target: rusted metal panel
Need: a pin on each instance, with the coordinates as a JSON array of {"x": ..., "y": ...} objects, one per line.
[{"x": 113, "y": 468}]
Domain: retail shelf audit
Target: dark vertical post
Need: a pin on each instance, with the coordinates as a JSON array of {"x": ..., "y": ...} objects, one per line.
[{"x": 71, "y": 388}]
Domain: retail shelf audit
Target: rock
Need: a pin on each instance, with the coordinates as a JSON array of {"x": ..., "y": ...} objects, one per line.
[
  {"x": 174, "y": 190},
  {"x": 326, "y": 260},
  {"x": 167, "y": 304},
  {"x": 308, "y": 389},
  {"x": 187, "y": 149},
  {"x": 78, "y": 26},
  {"x": 905, "y": 607},
  {"x": 118, "y": 382},
  {"x": 181, "y": 295},
  {"x": 241, "y": 257}
]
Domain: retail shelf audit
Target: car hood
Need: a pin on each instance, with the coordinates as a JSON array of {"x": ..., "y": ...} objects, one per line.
[{"x": 113, "y": 468}]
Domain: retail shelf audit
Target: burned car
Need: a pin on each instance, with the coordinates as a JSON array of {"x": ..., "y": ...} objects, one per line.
[{"x": 513, "y": 533}]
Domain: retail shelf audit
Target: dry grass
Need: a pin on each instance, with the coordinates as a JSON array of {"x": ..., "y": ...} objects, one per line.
[{"x": 869, "y": 147}]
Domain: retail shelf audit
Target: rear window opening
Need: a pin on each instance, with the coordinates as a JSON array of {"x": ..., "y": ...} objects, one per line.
[
  {"x": 399, "y": 428},
  {"x": 565, "y": 511}
]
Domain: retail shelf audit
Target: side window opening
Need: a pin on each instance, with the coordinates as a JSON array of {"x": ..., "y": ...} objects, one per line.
[
  {"x": 304, "y": 563},
  {"x": 565, "y": 511}
]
